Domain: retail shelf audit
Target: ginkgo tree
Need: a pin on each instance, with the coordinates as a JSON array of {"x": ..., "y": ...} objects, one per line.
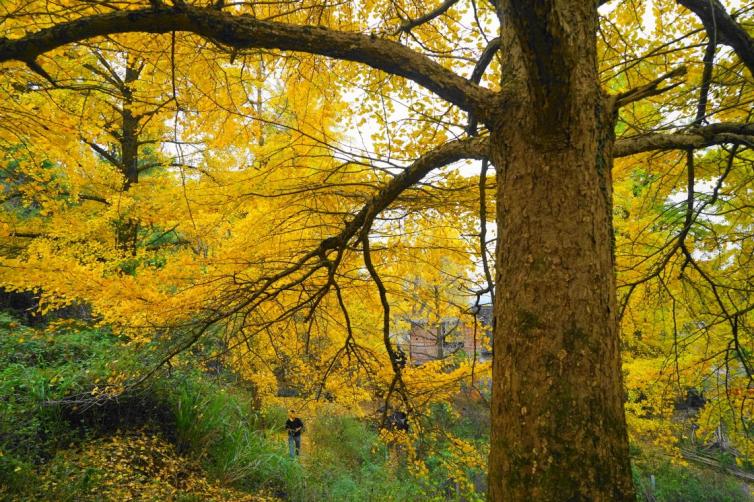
[{"x": 549, "y": 92}]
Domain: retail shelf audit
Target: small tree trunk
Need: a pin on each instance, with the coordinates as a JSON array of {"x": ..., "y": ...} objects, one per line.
[
  {"x": 558, "y": 424},
  {"x": 127, "y": 231}
]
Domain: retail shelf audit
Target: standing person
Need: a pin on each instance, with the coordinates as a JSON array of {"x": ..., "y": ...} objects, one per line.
[{"x": 294, "y": 426}]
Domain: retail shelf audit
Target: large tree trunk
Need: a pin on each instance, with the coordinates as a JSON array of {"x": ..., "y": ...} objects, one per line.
[{"x": 558, "y": 425}]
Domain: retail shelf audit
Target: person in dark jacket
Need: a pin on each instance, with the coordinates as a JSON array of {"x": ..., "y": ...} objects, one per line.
[{"x": 294, "y": 426}]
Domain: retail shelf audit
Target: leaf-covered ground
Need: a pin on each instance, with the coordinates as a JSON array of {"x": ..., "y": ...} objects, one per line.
[{"x": 130, "y": 466}]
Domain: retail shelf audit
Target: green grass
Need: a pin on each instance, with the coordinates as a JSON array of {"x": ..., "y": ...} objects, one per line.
[
  {"x": 675, "y": 483},
  {"x": 220, "y": 429},
  {"x": 242, "y": 448}
]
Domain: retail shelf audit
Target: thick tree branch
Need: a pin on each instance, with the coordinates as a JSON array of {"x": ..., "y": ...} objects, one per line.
[
  {"x": 243, "y": 32},
  {"x": 476, "y": 76},
  {"x": 723, "y": 28},
  {"x": 81, "y": 196},
  {"x": 484, "y": 60},
  {"x": 700, "y": 137},
  {"x": 26, "y": 235},
  {"x": 94, "y": 198}
]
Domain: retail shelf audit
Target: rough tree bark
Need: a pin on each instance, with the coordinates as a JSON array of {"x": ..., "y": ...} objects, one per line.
[{"x": 558, "y": 426}]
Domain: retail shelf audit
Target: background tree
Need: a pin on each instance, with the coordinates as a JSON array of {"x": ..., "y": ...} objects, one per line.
[{"x": 546, "y": 118}]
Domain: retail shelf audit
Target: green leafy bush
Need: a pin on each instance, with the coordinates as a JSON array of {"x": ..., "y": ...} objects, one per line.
[{"x": 38, "y": 368}]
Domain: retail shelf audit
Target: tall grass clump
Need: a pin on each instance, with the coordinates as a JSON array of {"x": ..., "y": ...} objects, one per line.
[
  {"x": 348, "y": 461},
  {"x": 220, "y": 429},
  {"x": 658, "y": 479}
]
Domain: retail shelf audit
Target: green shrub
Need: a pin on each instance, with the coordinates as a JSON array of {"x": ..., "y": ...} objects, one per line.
[
  {"x": 38, "y": 368},
  {"x": 15, "y": 474}
]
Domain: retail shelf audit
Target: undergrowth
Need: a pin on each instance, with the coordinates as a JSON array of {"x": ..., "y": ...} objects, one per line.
[
  {"x": 191, "y": 436},
  {"x": 54, "y": 448}
]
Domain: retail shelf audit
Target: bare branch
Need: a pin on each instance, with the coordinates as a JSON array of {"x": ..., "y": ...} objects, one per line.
[
  {"x": 394, "y": 360},
  {"x": 709, "y": 58},
  {"x": 36, "y": 68},
  {"x": 483, "y": 230},
  {"x": 689, "y": 218},
  {"x": 475, "y": 148},
  {"x": 112, "y": 159}
]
